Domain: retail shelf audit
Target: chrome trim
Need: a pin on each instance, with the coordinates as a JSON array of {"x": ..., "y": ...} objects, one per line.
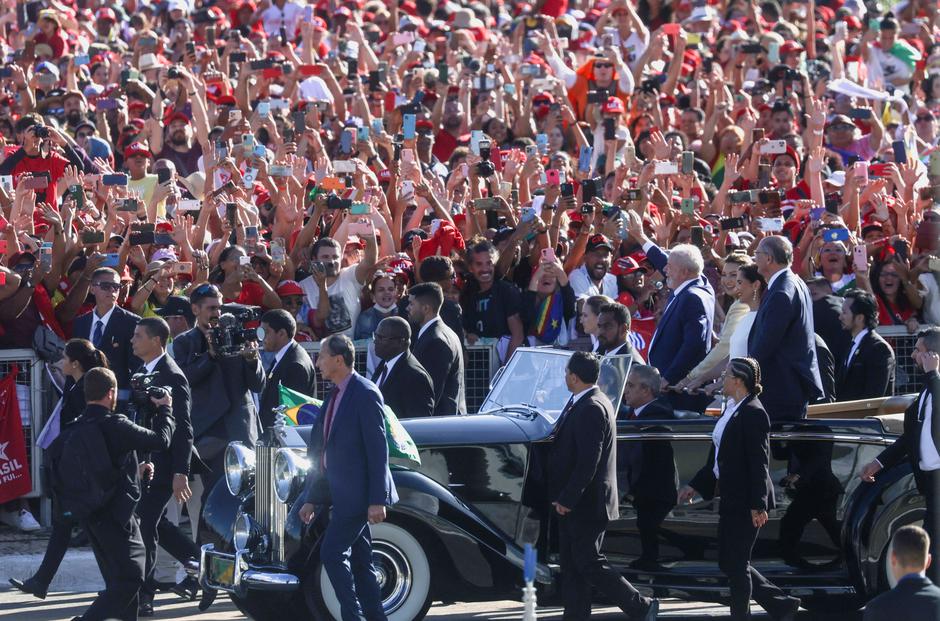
[
  {"x": 244, "y": 580},
  {"x": 270, "y": 513},
  {"x": 782, "y": 435}
]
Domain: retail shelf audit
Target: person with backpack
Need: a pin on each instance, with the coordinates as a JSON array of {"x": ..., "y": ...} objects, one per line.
[
  {"x": 79, "y": 357},
  {"x": 95, "y": 480}
]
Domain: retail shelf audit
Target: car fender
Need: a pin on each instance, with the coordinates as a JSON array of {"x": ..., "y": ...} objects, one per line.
[
  {"x": 876, "y": 511},
  {"x": 217, "y": 524}
]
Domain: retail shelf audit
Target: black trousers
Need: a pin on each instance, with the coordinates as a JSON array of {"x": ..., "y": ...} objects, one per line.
[
  {"x": 120, "y": 553},
  {"x": 56, "y": 548},
  {"x": 156, "y": 529},
  {"x": 736, "y": 537},
  {"x": 583, "y": 566},
  {"x": 650, "y": 514}
]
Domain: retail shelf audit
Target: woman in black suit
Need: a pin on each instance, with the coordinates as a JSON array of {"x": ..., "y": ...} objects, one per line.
[
  {"x": 79, "y": 357},
  {"x": 738, "y": 465}
]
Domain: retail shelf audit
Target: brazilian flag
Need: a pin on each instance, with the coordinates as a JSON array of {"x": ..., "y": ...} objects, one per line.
[{"x": 299, "y": 409}]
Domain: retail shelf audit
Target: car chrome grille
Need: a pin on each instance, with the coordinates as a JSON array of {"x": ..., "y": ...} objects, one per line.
[{"x": 270, "y": 513}]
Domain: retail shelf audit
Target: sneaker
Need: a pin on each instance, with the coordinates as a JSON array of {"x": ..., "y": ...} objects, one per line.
[{"x": 21, "y": 520}]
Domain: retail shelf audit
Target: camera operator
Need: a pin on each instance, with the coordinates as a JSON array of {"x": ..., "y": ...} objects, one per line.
[
  {"x": 171, "y": 468},
  {"x": 114, "y": 531},
  {"x": 222, "y": 404}
]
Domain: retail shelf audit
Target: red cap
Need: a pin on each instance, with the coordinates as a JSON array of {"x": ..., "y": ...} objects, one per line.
[
  {"x": 288, "y": 287},
  {"x": 136, "y": 148},
  {"x": 178, "y": 116},
  {"x": 790, "y": 47},
  {"x": 106, "y": 13},
  {"x": 625, "y": 265},
  {"x": 614, "y": 105}
]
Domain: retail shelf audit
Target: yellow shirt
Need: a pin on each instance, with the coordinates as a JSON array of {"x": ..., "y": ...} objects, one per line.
[{"x": 145, "y": 187}]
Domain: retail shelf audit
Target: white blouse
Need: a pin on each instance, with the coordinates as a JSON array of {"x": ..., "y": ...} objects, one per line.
[
  {"x": 731, "y": 406},
  {"x": 738, "y": 345}
]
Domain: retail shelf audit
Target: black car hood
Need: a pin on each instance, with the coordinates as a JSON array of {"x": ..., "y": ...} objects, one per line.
[{"x": 471, "y": 429}]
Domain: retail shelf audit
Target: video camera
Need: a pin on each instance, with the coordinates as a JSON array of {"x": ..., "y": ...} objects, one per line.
[
  {"x": 143, "y": 388},
  {"x": 230, "y": 337}
]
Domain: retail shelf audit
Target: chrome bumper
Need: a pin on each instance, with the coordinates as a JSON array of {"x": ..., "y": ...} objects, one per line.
[{"x": 243, "y": 579}]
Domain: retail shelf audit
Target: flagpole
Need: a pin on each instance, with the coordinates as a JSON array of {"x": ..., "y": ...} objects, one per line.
[{"x": 528, "y": 592}]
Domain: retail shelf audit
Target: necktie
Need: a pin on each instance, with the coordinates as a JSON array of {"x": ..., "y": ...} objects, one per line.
[
  {"x": 99, "y": 332},
  {"x": 564, "y": 412},
  {"x": 328, "y": 423},
  {"x": 379, "y": 376}
]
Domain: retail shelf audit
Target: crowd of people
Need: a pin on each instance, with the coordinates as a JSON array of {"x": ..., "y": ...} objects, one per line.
[{"x": 688, "y": 182}]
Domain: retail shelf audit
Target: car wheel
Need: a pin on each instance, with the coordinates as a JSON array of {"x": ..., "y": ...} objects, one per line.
[{"x": 403, "y": 572}]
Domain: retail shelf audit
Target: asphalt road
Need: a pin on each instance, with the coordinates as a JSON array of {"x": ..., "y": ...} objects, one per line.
[{"x": 65, "y": 606}]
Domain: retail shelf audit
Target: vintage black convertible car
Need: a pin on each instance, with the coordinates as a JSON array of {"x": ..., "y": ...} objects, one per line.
[{"x": 458, "y": 532}]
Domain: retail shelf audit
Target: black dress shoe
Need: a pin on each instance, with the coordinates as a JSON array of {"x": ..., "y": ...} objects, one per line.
[
  {"x": 187, "y": 588},
  {"x": 208, "y": 596},
  {"x": 31, "y": 586},
  {"x": 145, "y": 609}
]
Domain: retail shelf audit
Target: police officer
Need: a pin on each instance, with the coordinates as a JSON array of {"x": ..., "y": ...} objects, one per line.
[{"x": 114, "y": 531}]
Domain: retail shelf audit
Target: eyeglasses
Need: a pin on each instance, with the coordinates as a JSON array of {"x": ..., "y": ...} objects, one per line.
[
  {"x": 603, "y": 66},
  {"x": 108, "y": 286},
  {"x": 84, "y": 135}
]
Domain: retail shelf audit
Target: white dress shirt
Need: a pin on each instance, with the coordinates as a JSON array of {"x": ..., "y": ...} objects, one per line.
[
  {"x": 775, "y": 276},
  {"x": 929, "y": 456},
  {"x": 280, "y": 354},
  {"x": 856, "y": 341},
  {"x": 426, "y": 326},
  {"x": 149, "y": 367},
  {"x": 104, "y": 322},
  {"x": 731, "y": 406}
]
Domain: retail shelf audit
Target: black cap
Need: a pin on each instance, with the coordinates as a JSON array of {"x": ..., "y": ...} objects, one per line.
[{"x": 177, "y": 306}]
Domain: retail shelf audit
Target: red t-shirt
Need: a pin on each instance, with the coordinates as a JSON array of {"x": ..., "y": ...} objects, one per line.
[
  {"x": 54, "y": 164},
  {"x": 57, "y": 42},
  {"x": 444, "y": 145},
  {"x": 554, "y": 8}
]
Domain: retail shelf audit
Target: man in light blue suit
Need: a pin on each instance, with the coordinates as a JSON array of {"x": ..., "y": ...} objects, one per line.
[{"x": 349, "y": 472}]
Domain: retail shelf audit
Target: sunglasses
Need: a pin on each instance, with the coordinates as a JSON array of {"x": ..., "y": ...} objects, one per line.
[
  {"x": 603, "y": 66},
  {"x": 108, "y": 286},
  {"x": 924, "y": 119}
]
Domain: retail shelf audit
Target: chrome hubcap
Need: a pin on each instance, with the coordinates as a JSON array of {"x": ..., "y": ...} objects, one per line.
[{"x": 393, "y": 573}]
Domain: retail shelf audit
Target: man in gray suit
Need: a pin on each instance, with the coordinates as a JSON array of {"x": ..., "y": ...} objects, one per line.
[{"x": 223, "y": 410}]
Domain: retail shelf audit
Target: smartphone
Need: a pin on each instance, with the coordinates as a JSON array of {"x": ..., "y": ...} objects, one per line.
[
  {"x": 688, "y": 162},
  {"x": 900, "y": 152},
  {"x": 860, "y": 258},
  {"x": 141, "y": 238},
  {"x": 278, "y": 250},
  {"x": 688, "y": 206},
  {"x": 163, "y": 175},
  {"x": 589, "y": 189},
  {"x": 346, "y": 142},
  {"x": 774, "y": 147},
  {"x": 112, "y": 259},
  {"x": 189, "y": 204},
  {"x": 485, "y": 204},
  {"x": 114, "y": 179},
  {"x": 84, "y": 59},
  {"x": 164, "y": 239},
  {"x": 35, "y": 183},
  {"x": 360, "y": 209},
  {"x": 771, "y": 225},
  {"x": 541, "y": 143},
  {"x": 860, "y": 113},
  {"x": 861, "y": 172},
  {"x": 231, "y": 211},
  {"x": 610, "y": 128},
  {"x": 665, "y": 168},
  {"x": 344, "y": 167},
  {"x": 309, "y": 70},
  {"x": 584, "y": 159},
  {"x": 244, "y": 260},
  {"x": 264, "y": 109},
  {"x": 728, "y": 224},
  {"x": 833, "y": 235},
  {"x": 567, "y": 189},
  {"x": 408, "y": 126},
  {"x": 552, "y": 177},
  {"x": 698, "y": 236},
  {"x": 92, "y": 237},
  {"x": 548, "y": 255}
]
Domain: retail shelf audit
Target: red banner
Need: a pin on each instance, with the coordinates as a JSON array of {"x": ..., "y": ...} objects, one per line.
[{"x": 14, "y": 467}]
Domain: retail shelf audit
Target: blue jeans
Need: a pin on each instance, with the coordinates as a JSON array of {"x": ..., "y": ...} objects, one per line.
[{"x": 346, "y": 554}]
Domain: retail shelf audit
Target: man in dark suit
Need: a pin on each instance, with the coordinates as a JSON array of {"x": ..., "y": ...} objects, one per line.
[
  {"x": 291, "y": 367},
  {"x": 920, "y": 440},
  {"x": 914, "y": 596},
  {"x": 110, "y": 328},
  {"x": 782, "y": 338},
  {"x": 649, "y": 465},
  {"x": 613, "y": 327},
  {"x": 405, "y": 385},
  {"x": 867, "y": 371},
  {"x": 348, "y": 451},
  {"x": 683, "y": 335},
  {"x": 827, "y": 307},
  {"x": 582, "y": 485},
  {"x": 170, "y": 469},
  {"x": 437, "y": 348},
  {"x": 827, "y": 370},
  {"x": 223, "y": 409}
]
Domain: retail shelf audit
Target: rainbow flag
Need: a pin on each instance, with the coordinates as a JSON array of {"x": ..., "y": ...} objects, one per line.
[
  {"x": 550, "y": 318},
  {"x": 299, "y": 409}
]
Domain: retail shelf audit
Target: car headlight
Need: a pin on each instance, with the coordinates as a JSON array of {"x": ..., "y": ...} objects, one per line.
[
  {"x": 289, "y": 472},
  {"x": 248, "y": 535},
  {"x": 239, "y": 468}
]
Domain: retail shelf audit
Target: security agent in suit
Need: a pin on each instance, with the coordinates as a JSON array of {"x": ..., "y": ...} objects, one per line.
[
  {"x": 613, "y": 326},
  {"x": 348, "y": 451},
  {"x": 405, "y": 385},
  {"x": 223, "y": 409},
  {"x": 782, "y": 338},
  {"x": 649, "y": 465},
  {"x": 867, "y": 371},
  {"x": 827, "y": 370},
  {"x": 684, "y": 333},
  {"x": 169, "y": 470},
  {"x": 291, "y": 367},
  {"x": 914, "y": 596},
  {"x": 920, "y": 441},
  {"x": 110, "y": 328},
  {"x": 437, "y": 348},
  {"x": 114, "y": 531},
  {"x": 738, "y": 462},
  {"x": 582, "y": 487},
  {"x": 826, "y": 310}
]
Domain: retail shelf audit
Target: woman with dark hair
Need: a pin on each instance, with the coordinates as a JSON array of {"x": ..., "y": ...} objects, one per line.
[
  {"x": 739, "y": 459},
  {"x": 589, "y": 309},
  {"x": 899, "y": 298},
  {"x": 79, "y": 357},
  {"x": 548, "y": 304},
  {"x": 239, "y": 282}
]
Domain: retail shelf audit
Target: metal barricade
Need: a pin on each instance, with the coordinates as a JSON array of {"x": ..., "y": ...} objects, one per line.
[
  {"x": 480, "y": 363},
  {"x": 907, "y": 377},
  {"x": 31, "y": 391}
]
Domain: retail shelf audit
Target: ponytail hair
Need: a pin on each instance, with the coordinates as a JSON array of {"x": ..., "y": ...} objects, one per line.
[{"x": 85, "y": 354}]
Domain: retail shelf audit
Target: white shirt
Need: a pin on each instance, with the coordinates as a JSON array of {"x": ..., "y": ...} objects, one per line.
[
  {"x": 425, "y": 327},
  {"x": 929, "y": 456},
  {"x": 274, "y": 18},
  {"x": 389, "y": 365},
  {"x": 856, "y": 341},
  {"x": 639, "y": 410},
  {"x": 770, "y": 283},
  {"x": 280, "y": 354},
  {"x": 104, "y": 322},
  {"x": 578, "y": 396},
  {"x": 583, "y": 286},
  {"x": 344, "y": 300},
  {"x": 731, "y": 406},
  {"x": 737, "y": 346},
  {"x": 149, "y": 367}
]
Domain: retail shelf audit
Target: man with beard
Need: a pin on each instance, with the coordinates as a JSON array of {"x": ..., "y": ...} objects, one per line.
[
  {"x": 75, "y": 108},
  {"x": 451, "y": 116},
  {"x": 491, "y": 307},
  {"x": 333, "y": 293},
  {"x": 180, "y": 147},
  {"x": 594, "y": 277},
  {"x": 39, "y": 156}
]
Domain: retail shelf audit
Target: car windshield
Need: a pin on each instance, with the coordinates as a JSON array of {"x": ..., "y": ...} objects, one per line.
[{"x": 536, "y": 377}]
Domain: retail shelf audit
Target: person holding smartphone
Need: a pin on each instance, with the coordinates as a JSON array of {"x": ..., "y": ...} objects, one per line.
[{"x": 548, "y": 305}]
